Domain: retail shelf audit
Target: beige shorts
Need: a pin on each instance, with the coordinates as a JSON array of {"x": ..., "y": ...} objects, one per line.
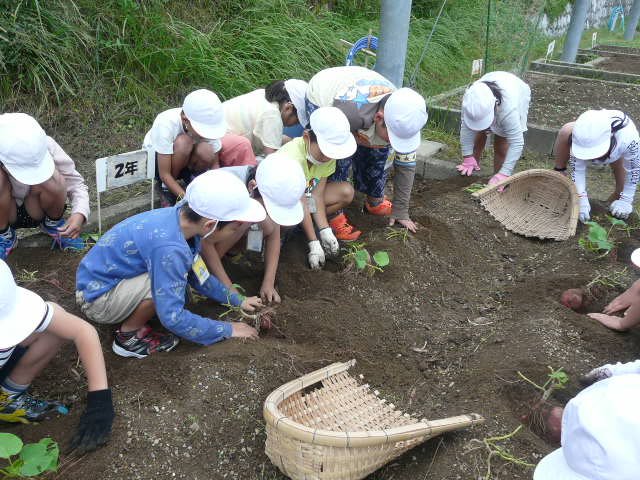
[{"x": 119, "y": 302}]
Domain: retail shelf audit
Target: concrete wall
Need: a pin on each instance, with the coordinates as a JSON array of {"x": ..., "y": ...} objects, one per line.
[{"x": 599, "y": 13}]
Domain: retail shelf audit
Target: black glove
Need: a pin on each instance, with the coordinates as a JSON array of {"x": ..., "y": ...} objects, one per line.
[{"x": 95, "y": 424}]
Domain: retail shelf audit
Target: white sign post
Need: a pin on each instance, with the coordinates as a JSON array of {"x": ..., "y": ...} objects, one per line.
[
  {"x": 550, "y": 48},
  {"x": 477, "y": 66},
  {"x": 594, "y": 39},
  {"x": 122, "y": 170}
]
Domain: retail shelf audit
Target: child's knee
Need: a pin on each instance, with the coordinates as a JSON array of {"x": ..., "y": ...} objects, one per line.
[{"x": 183, "y": 145}]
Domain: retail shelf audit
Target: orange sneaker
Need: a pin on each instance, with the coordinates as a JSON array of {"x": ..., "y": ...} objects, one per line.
[
  {"x": 383, "y": 208},
  {"x": 342, "y": 229}
]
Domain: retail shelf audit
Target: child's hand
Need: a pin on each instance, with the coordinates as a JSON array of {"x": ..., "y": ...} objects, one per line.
[
  {"x": 242, "y": 330},
  {"x": 251, "y": 303}
]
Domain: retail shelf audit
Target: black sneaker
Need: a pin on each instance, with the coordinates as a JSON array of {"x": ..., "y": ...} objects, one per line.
[
  {"x": 143, "y": 342},
  {"x": 24, "y": 408}
]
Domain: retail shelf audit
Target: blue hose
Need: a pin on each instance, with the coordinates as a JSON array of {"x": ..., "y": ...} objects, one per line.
[{"x": 369, "y": 42}]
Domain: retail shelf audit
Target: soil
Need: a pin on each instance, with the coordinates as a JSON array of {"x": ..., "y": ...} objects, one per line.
[
  {"x": 619, "y": 48},
  {"x": 619, "y": 63},
  {"x": 479, "y": 303}
]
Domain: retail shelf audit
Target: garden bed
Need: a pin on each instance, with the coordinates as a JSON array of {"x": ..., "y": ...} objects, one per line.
[{"x": 443, "y": 330}]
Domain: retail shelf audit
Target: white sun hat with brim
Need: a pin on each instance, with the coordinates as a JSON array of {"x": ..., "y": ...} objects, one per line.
[
  {"x": 600, "y": 434},
  {"x": 297, "y": 90},
  {"x": 21, "y": 310},
  {"x": 635, "y": 257},
  {"x": 333, "y": 132},
  {"x": 478, "y": 106},
  {"x": 220, "y": 195},
  {"x": 23, "y": 149},
  {"x": 205, "y": 113},
  {"x": 405, "y": 114},
  {"x": 281, "y": 183},
  {"x": 591, "y": 135}
]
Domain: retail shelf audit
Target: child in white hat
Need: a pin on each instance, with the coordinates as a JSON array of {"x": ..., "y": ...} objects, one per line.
[
  {"x": 141, "y": 268},
  {"x": 316, "y": 151},
  {"x": 379, "y": 116},
  {"x": 261, "y": 115},
  {"x": 31, "y": 333},
  {"x": 278, "y": 182},
  {"x": 191, "y": 140},
  {"x": 497, "y": 103},
  {"x": 601, "y": 137},
  {"x": 36, "y": 179}
]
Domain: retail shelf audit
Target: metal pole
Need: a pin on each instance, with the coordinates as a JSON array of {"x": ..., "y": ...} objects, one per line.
[
  {"x": 634, "y": 16},
  {"x": 486, "y": 39},
  {"x": 394, "y": 33},
  {"x": 576, "y": 26}
]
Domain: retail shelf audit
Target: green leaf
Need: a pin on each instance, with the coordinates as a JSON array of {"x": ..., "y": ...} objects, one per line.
[
  {"x": 617, "y": 222},
  {"x": 381, "y": 258},
  {"x": 39, "y": 457},
  {"x": 9, "y": 445},
  {"x": 361, "y": 259}
]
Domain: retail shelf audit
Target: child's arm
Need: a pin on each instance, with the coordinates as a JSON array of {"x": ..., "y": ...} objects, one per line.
[
  {"x": 271, "y": 232},
  {"x": 214, "y": 263},
  {"x": 320, "y": 217}
]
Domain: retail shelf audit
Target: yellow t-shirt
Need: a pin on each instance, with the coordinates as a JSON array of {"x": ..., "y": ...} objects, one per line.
[{"x": 297, "y": 148}]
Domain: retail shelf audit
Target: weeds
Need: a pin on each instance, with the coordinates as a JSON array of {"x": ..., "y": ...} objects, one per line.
[
  {"x": 474, "y": 187},
  {"x": 494, "y": 449},
  {"x": 615, "y": 279},
  {"x": 401, "y": 234}
]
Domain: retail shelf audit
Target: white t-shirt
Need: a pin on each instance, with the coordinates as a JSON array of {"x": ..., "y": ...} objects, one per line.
[
  {"x": 166, "y": 128},
  {"x": 44, "y": 324},
  {"x": 253, "y": 117}
]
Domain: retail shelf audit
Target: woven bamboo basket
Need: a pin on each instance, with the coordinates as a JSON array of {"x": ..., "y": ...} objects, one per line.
[
  {"x": 535, "y": 203},
  {"x": 326, "y": 425}
]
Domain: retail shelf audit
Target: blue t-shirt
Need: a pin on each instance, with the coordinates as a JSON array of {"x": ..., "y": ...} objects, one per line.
[{"x": 152, "y": 242}]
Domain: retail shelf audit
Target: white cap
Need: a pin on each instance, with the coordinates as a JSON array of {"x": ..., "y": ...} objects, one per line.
[
  {"x": 600, "y": 434},
  {"x": 332, "y": 129},
  {"x": 405, "y": 113},
  {"x": 21, "y": 310},
  {"x": 297, "y": 90},
  {"x": 220, "y": 195},
  {"x": 635, "y": 257},
  {"x": 281, "y": 182},
  {"x": 478, "y": 106},
  {"x": 206, "y": 114},
  {"x": 591, "y": 136},
  {"x": 23, "y": 149}
]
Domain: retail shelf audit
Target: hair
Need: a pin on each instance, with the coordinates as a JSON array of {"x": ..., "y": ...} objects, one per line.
[
  {"x": 313, "y": 138},
  {"x": 495, "y": 90},
  {"x": 383, "y": 102},
  {"x": 194, "y": 217},
  {"x": 251, "y": 175},
  {"x": 276, "y": 92}
]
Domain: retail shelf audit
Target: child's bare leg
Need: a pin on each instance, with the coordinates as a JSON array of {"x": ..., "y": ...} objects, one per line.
[
  {"x": 47, "y": 198},
  {"x": 203, "y": 158},
  {"x": 140, "y": 316},
  {"x": 8, "y": 207},
  {"x": 229, "y": 236},
  {"x": 42, "y": 348},
  {"x": 337, "y": 195}
]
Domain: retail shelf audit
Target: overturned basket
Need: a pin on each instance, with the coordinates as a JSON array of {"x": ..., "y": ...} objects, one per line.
[
  {"x": 327, "y": 426},
  {"x": 535, "y": 203}
]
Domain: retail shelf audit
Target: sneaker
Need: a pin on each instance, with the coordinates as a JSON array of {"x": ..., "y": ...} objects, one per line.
[
  {"x": 24, "y": 408},
  {"x": 143, "y": 342},
  {"x": 342, "y": 229},
  {"x": 383, "y": 209},
  {"x": 167, "y": 198},
  {"x": 50, "y": 227},
  {"x": 8, "y": 242}
]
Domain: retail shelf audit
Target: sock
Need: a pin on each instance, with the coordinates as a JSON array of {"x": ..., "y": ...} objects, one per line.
[
  {"x": 50, "y": 222},
  {"x": 11, "y": 388},
  {"x": 375, "y": 203}
]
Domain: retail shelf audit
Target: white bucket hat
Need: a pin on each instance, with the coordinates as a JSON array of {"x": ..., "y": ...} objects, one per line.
[
  {"x": 23, "y": 149},
  {"x": 21, "y": 310},
  {"x": 297, "y": 90},
  {"x": 281, "y": 182},
  {"x": 635, "y": 257},
  {"x": 333, "y": 132},
  {"x": 600, "y": 434},
  {"x": 205, "y": 113},
  {"x": 220, "y": 195},
  {"x": 405, "y": 113},
  {"x": 478, "y": 106},
  {"x": 591, "y": 136}
]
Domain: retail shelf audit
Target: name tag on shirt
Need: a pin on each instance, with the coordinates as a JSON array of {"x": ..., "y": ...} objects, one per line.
[{"x": 200, "y": 269}]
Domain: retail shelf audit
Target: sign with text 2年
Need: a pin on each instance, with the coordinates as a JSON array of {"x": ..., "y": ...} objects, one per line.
[
  {"x": 594, "y": 39},
  {"x": 476, "y": 66},
  {"x": 550, "y": 48},
  {"x": 124, "y": 169}
]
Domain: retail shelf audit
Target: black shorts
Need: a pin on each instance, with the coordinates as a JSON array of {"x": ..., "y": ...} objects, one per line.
[
  {"x": 24, "y": 220},
  {"x": 15, "y": 357}
]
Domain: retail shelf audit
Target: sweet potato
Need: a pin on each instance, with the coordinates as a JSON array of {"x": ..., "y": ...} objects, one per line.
[{"x": 572, "y": 298}]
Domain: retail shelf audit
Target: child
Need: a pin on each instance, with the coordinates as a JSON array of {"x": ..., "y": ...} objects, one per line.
[
  {"x": 141, "y": 267},
  {"x": 316, "y": 151},
  {"x": 31, "y": 333},
  {"x": 378, "y": 115},
  {"x": 498, "y": 103},
  {"x": 36, "y": 179},
  {"x": 191, "y": 140},
  {"x": 261, "y": 115},
  {"x": 279, "y": 183},
  {"x": 601, "y": 137}
]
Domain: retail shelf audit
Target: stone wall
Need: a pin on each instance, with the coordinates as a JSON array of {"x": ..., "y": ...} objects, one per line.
[{"x": 598, "y": 16}]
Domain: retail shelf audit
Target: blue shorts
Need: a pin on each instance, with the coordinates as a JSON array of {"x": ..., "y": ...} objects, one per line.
[
  {"x": 369, "y": 174},
  {"x": 15, "y": 357}
]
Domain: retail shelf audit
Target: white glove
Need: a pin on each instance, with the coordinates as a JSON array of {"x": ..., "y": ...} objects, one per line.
[
  {"x": 329, "y": 241},
  {"x": 621, "y": 208},
  {"x": 316, "y": 255},
  {"x": 585, "y": 208}
]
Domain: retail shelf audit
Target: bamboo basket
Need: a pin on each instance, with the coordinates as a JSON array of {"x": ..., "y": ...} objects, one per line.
[
  {"x": 535, "y": 203},
  {"x": 326, "y": 425}
]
